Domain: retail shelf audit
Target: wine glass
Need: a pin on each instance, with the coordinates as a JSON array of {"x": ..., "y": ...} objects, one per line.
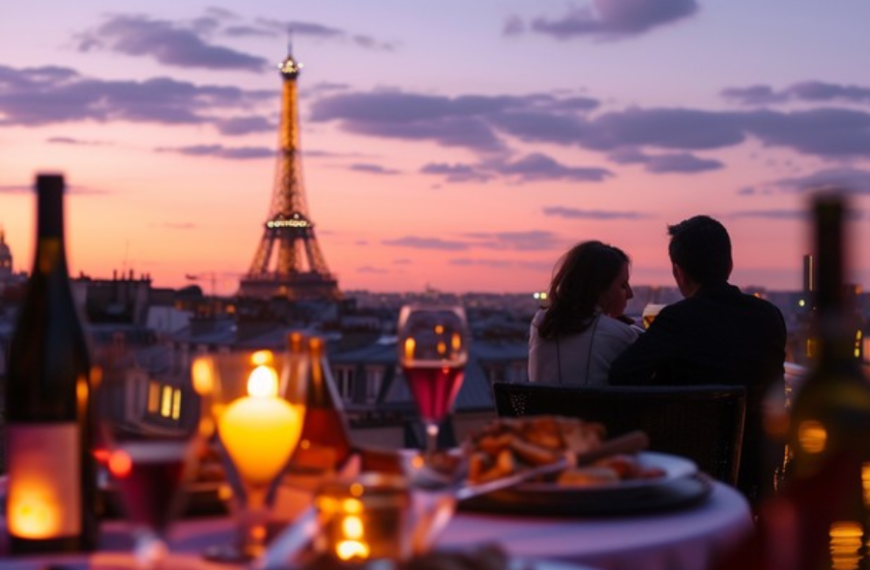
[
  {"x": 433, "y": 350},
  {"x": 254, "y": 407},
  {"x": 148, "y": 443}
]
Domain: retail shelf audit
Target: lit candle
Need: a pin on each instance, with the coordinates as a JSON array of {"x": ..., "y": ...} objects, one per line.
[
  {"x": 410, "y": 345},
  {"x": 261, "y": 430}
]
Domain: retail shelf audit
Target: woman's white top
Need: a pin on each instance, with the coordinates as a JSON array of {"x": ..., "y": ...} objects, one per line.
[{"x": 581, "y": 359}]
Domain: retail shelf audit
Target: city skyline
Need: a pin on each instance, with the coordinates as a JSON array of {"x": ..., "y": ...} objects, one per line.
[{"x": 452, "y": 146}]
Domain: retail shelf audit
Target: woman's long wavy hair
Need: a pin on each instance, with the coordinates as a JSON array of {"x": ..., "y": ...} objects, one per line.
[{"x": 581, "y": 275}]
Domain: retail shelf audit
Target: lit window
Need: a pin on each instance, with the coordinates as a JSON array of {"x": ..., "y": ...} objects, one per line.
[
  {"x": 153, "y": 397},
  {"x": 166, "y": 402},
  {"x": 176, "y": 404}
]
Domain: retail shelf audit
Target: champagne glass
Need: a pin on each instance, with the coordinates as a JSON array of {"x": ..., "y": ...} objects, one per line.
[
  {"x": 254, "y": 406},
  {"x": 148, "y": 429},
  {"x": 433, "y": 350}
]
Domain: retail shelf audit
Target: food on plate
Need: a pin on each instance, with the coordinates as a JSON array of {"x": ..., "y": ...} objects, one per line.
[
  {"x": 509, "y": 445},
  {"x": 611, "y": 469}
]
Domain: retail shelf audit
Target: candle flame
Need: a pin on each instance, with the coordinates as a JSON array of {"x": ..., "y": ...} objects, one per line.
[
  {"x": 347, "y": 549},
  {"x": 410, "y": 345},
  {"x": 202, "y": 376},
  {"x": 456, "y": 341},
  {"x": 263, "y": 382},
  {"x": 261, "y": 358}
]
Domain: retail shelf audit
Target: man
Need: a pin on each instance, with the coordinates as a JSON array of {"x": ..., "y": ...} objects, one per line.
[{"x": 715, "y": 335}]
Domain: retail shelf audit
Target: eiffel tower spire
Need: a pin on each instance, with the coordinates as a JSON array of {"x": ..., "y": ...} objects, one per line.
[{"x": 288, "y": 262}]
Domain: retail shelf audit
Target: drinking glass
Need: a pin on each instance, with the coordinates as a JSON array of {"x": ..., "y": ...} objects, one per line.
[
  {"x": 433, "y": 350},
  {"x": 254, "y": 407},
  {"x": 148, "y": 443},
  {"x": 650, "y": 312}
]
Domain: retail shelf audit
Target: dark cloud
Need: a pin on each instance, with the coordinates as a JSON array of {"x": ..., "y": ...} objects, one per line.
[
  {"x": 373, "y": 169},
  {"x": 245, "y": 125},
  {"x": 427, "y": 243},
  {"x": 849, "y": 180},
  {"x": 537, "y": 167},
  {"x": 502, "y": 263},
  {"x": 73, "y": 141},
  {"x": 48, "y": 95},
  {"x": 577, "y": 214},
  {"x": 280, "y": 28},
  {"x": 787, "y": 215},
  {"x": 467, "y": 121},
  {"x": 532, "y": 240},
  {"x": 807, "y": 91},
  {"x": 607, "y": 18},
  {"x": 664, "y": 163},
  {"x": 70, "y": 188},
  {"x": 687, "y": 163},
  {"x": 16, "y": 188},
  {"x": 456, "y": 172},
  {"x": 216, "y": 150},
  {"x": 371, "y": 269},
  {"x": 481, "y": 123},
  {"x": 170, "y": 43}
]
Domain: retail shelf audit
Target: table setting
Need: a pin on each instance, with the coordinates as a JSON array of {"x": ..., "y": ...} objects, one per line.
[{"x": 537, "y": 493}]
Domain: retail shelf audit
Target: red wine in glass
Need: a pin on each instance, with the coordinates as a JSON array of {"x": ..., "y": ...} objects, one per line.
[
  {"x": 433, "y": 350},
  {"x": 148, "y": 476},
  {"x": 434, "y": 389}
]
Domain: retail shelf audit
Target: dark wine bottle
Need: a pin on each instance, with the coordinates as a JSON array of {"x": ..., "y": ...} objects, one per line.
[
  {"x": 828, "y": 484},
  {"x": 52, "y": 495},
  {"x": 325, "y": 443}
]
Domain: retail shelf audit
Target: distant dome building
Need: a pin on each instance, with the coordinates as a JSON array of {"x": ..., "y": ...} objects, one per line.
[{"x": 5, "y": 258}]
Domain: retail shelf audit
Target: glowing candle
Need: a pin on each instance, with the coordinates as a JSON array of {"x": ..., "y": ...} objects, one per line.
[
  {"x": 410, "y": 345},
  {"x": 261, "y": 430}
]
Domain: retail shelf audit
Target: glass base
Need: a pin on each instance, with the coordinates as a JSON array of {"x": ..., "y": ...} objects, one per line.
[{"x": 227, "y": 554}]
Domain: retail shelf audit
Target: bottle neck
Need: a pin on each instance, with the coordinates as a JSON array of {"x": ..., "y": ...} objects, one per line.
[{"x": 50, "y": 253}]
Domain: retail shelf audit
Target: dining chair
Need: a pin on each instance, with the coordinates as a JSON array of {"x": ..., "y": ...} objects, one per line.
[{"x": 703, "y": 423}]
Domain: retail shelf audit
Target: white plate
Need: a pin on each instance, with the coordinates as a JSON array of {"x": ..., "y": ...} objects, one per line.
[
  {"x": 674, "y": 467},
  {"x": 681, "y": 485}
]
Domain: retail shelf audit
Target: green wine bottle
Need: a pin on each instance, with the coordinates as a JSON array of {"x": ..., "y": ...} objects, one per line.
[{"x": 52, "y": 496}]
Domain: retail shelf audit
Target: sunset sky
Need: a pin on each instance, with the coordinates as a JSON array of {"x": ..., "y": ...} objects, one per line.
[{"x": 459, "y": 144}]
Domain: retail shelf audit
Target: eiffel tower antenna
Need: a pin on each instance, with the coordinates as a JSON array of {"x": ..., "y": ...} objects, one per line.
[{"x": 288, "y": 262}]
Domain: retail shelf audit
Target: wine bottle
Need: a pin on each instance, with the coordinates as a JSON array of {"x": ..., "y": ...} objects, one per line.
[
  {"x": 52, "y": 496},
  {"x": 325, "y": 443},
  {"x": 829, "y": 426}
]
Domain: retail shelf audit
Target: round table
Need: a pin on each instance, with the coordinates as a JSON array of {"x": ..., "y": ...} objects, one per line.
[{"x": 687, "y": 539}]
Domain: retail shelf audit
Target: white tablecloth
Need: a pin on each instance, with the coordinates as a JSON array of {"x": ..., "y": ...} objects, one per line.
[{"x": 688, "y": 539}]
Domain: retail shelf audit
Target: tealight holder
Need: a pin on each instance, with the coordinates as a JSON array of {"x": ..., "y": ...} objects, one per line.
[{"x": 365, "y": 519}]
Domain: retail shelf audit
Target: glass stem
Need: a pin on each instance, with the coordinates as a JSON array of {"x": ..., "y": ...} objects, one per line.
[
  {"x": 253, "y": 518},
  {"x": 150, "y": 550},
  {"x": 431, "y": 438}
]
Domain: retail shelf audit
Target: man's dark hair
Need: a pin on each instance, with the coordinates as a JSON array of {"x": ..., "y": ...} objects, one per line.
[{"x": 702, "y": 248}]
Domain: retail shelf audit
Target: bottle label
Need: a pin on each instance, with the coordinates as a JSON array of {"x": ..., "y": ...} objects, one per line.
[{"x": 44, "y": 490}]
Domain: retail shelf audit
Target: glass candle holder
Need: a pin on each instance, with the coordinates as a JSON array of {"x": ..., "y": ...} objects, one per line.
[{"x": 365, "y": 519}]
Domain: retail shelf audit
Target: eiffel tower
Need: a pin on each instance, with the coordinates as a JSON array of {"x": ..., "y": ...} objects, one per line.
[{"x": 298, "y": 268}]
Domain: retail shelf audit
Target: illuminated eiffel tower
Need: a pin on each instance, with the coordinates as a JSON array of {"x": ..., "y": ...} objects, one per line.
[{"x": 288, "y": 262}]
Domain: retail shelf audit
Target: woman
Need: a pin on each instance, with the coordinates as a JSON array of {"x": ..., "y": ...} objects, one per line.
[{"x": 583, "y": 330}]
